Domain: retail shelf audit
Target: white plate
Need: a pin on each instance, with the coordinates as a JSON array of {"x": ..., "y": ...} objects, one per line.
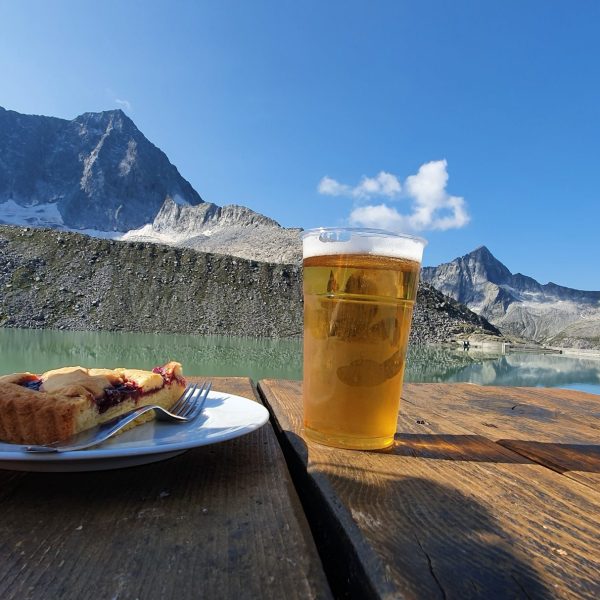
[{"x": 224, "y": 417}]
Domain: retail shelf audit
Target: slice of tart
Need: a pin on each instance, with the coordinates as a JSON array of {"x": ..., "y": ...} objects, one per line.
[{"x": 39, "y": 409}]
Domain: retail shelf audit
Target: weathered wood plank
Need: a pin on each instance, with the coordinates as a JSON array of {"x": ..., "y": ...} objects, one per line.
[
  {"x": 572, "y": 400},
  {"x": 221, "y": 521},
  {"x": 508, "y": 412},
  {"x": 580, "y": 462},
  {"x": 558, "y": 428},
  {"x": 444, "y": 513}
]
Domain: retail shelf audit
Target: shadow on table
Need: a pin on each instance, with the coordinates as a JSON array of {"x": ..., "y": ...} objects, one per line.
[
  {"x": 407, "y": 535},
  {"x": 474, "y": 448},
  {"x": 435, "y": 541}
]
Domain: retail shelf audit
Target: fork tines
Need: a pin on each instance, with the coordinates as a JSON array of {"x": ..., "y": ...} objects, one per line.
[
  {"x": 186, "y": 397},
  {"x": 190, "y": 410}
]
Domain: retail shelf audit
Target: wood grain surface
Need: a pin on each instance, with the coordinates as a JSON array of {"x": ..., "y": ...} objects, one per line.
[
  {"x": 445, "y": 513},
  {"x": 557, "y": 428},
  {"x": 220, "y": 521}
]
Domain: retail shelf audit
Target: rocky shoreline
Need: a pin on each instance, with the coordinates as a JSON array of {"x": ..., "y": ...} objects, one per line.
[{"x": 61, "y": 280}]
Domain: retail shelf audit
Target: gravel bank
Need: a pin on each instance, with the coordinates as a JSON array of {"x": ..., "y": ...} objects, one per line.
[{"x": 60, "y": 280}]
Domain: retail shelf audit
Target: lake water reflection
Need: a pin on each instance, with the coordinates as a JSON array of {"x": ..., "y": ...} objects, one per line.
[
  {"x": 431, "y": 364},
  {"x": 40, "y": 350}
]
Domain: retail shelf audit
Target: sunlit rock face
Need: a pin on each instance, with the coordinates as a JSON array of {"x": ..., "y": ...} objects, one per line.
[
  {"x": 518, "y": 304},
  {"x": 232, "y": 229}
]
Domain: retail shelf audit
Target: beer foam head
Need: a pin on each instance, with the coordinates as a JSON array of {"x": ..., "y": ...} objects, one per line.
[{"x": 326, "y": 241}]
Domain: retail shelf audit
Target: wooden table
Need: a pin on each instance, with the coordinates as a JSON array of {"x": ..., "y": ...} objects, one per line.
[
  {"x": 487, "y": 493},
  {"x": 220, "y": 521}
]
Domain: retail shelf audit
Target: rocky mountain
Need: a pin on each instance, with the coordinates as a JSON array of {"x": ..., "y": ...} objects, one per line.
[
  {"x": 518, "y": 304},
  {"x": 63, "y": 280},
  {"x": 100, "y": 175},
  {"x": 96, "y": 171},
  {"x": 232, "y": 229},
  {"x": 438, "y": 318}
]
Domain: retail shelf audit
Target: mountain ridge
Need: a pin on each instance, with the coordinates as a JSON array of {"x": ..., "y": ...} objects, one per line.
[
  {"x": 230, "y": 229},
  {"x": 98, "y": 174},
  {"x": 65, "y": 280},
  {"x": 517, "y": 303}
]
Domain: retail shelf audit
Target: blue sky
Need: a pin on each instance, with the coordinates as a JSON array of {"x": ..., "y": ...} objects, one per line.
[{"x": 471, "y": 122}]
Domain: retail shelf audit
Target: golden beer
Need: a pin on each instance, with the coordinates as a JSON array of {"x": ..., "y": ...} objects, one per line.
[{"x": 357, "y": 317}]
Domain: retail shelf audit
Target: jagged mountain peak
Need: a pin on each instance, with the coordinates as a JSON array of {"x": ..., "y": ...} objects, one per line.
[
  {"x": 116, "y": 118},
  {"x": 481, "y": 250},
  {"x": 481, "y": 253},
  {"x": 97, "y": 115},
  {"x": 112, "y": 112},
  {"x": 96, "y": 171},
  {"x": 482, "y": 263},
  {"x": 516, "y": 303},
  {"x": 180, "y": 217}
]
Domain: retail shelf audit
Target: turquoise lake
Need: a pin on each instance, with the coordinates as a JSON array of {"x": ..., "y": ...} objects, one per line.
[{"x": 41, "y": 350}]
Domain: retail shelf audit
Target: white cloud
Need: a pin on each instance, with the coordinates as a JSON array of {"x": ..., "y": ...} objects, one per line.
[
  {"x": 428, "y": 186},
  {"x": 383, "y": 184},
  {"x": 380, "y": 216},
  {"x": 431, "y": 207},
  {"x": 330, "y": 187},
  {"x": 125, "y": 104}
]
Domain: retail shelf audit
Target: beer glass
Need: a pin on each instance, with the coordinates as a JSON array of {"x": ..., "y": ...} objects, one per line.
[{"x": 359, "y": 290}]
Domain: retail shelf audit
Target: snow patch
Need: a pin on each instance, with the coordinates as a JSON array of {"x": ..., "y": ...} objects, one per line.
[
  {"x": 147, "y": 233},
  {"x": 38, "y": 215},
  {"x": 46, "y": 215}
]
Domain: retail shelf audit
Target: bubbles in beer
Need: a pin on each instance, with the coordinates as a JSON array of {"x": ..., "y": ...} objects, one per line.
[
  {"x": 357, "y": 312},
  {"x": 358, "y": 297}
]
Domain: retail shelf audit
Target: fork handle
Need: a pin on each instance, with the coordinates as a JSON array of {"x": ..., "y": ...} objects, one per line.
[{"x": 93, "y": 436}]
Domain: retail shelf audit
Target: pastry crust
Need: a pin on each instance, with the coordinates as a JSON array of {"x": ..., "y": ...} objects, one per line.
[{"x": 73, "y": 399}]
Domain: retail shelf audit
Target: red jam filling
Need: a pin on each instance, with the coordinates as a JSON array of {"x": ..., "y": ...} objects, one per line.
[
  {"x": 115, "y": 394},
  {"x": 167, "y": 377}
]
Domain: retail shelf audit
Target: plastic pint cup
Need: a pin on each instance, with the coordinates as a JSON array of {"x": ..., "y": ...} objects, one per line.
[{"x": 360, "y": 287}]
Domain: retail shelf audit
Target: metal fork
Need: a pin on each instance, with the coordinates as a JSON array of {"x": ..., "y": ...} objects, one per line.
[{"x": 186, "y": 409}]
